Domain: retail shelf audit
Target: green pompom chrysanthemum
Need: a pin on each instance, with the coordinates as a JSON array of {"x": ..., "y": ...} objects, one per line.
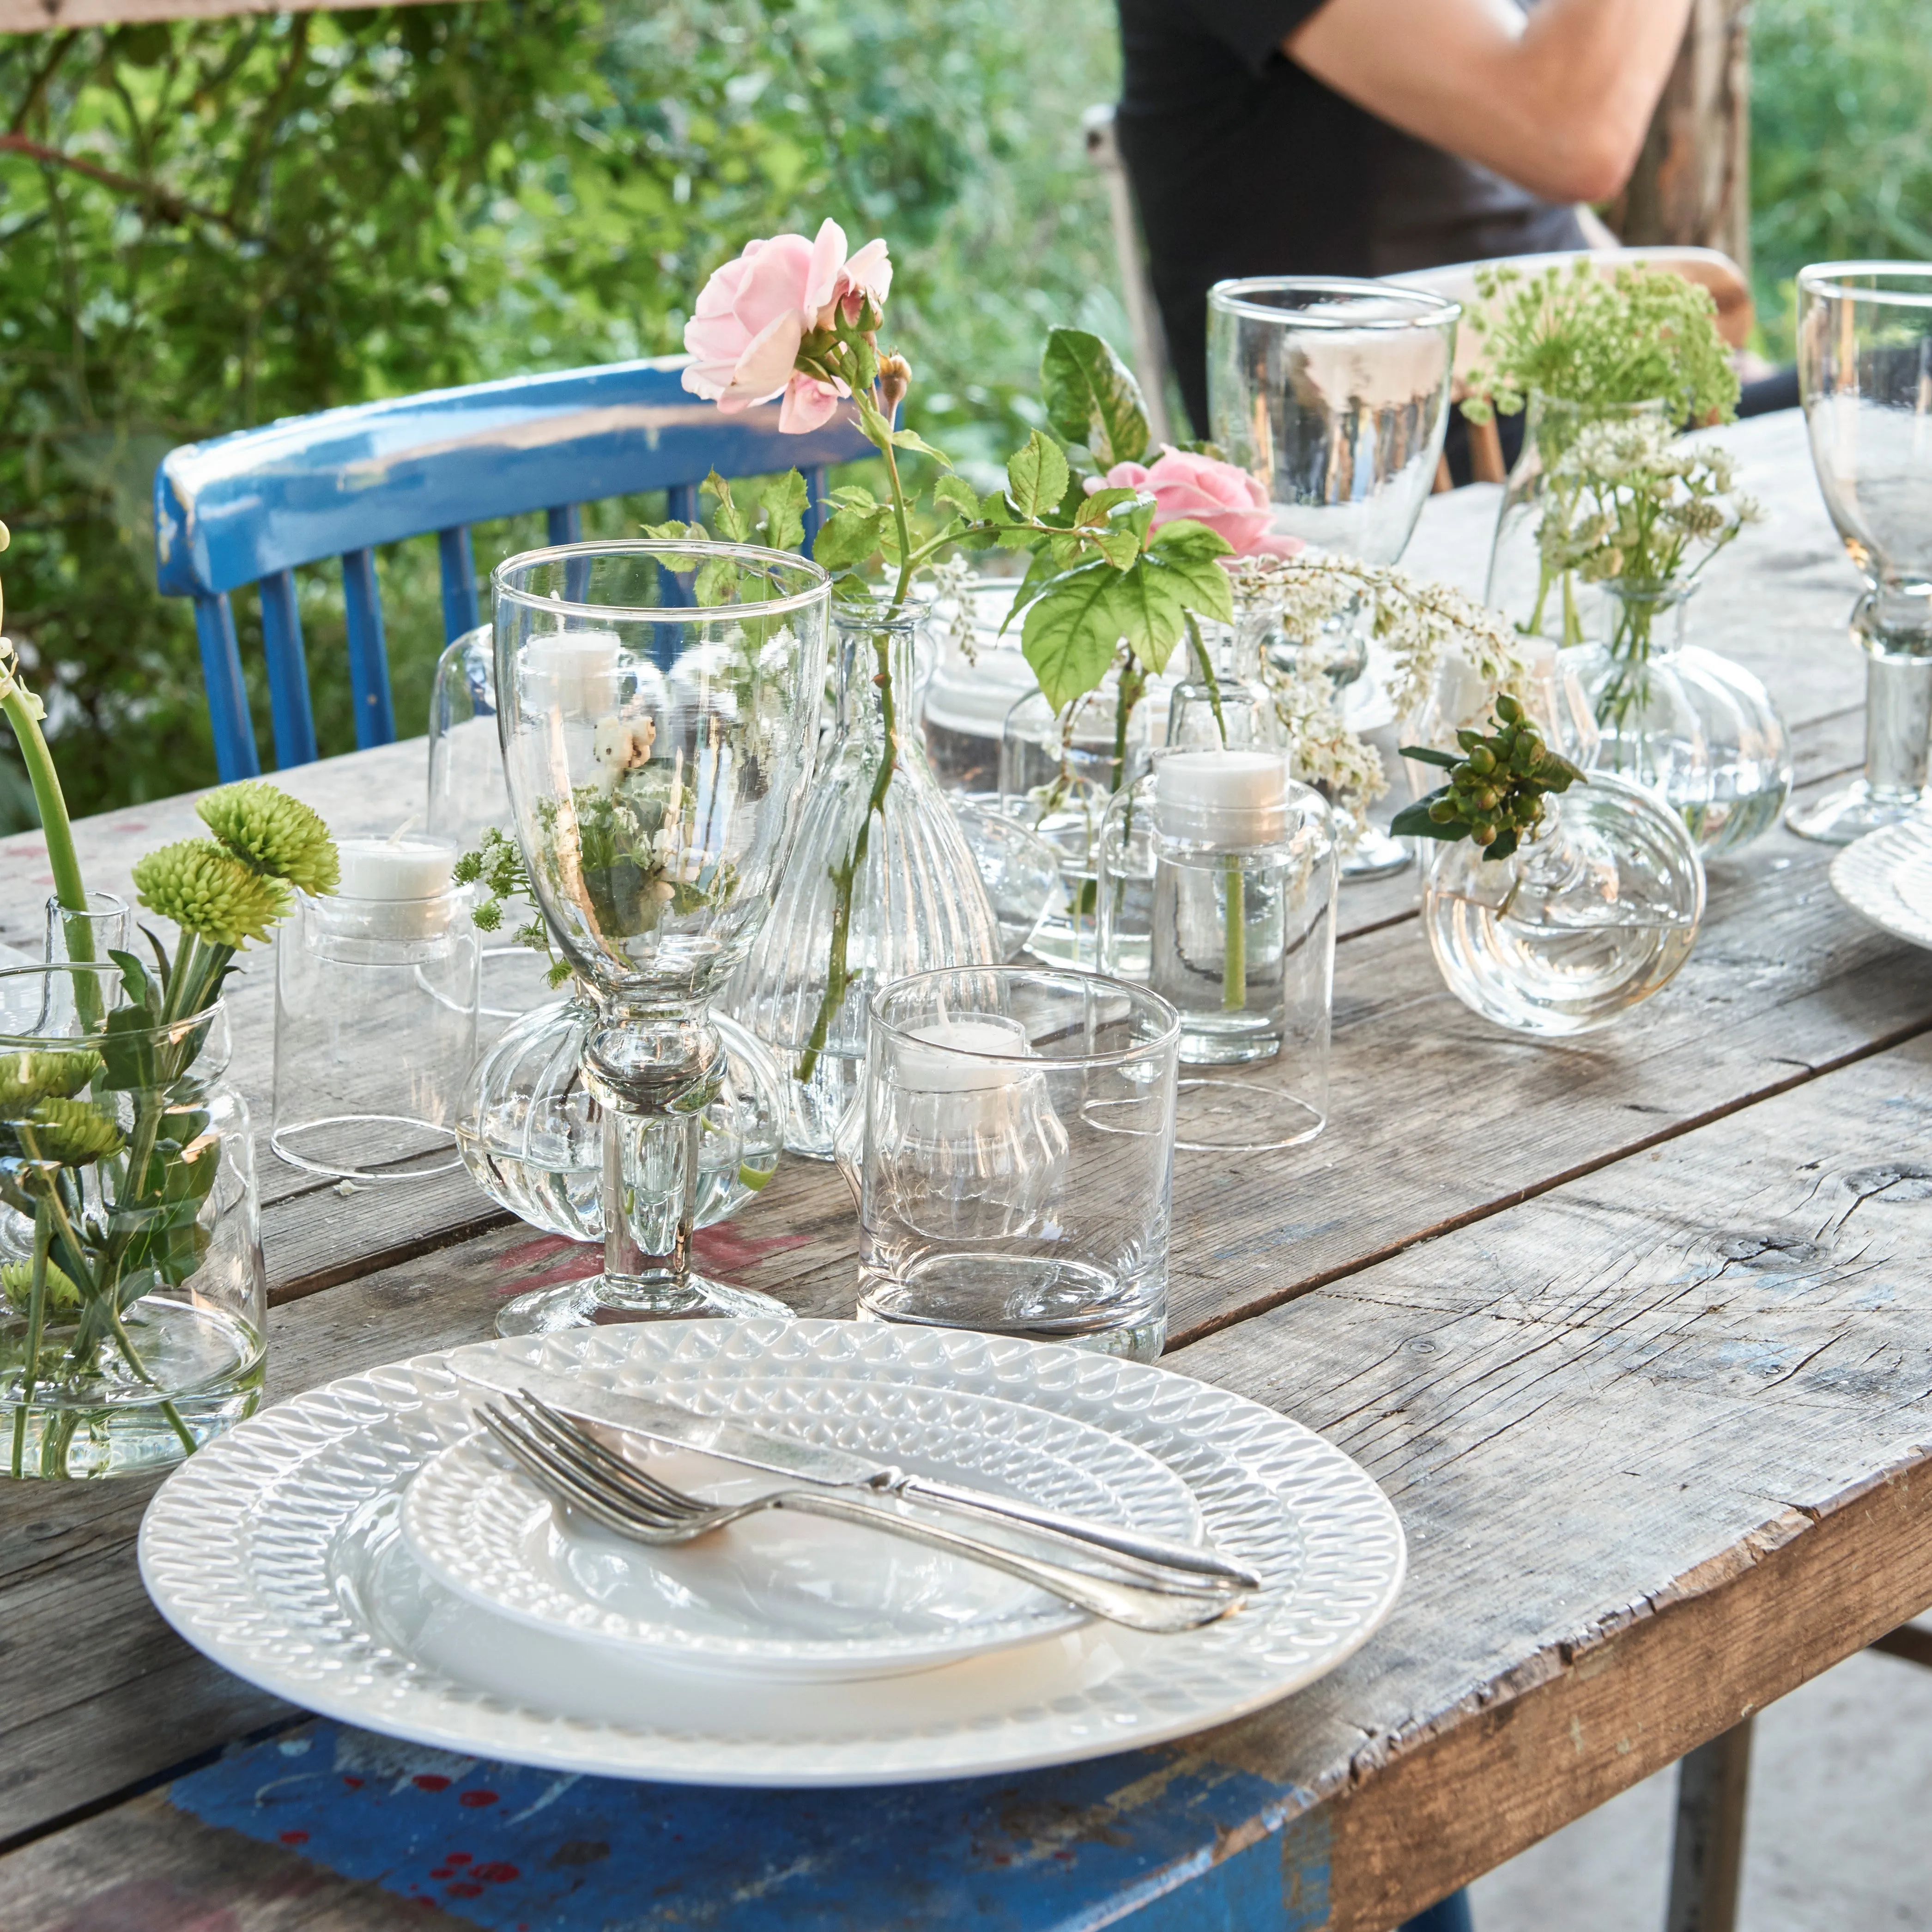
[
  {"x": 32, "y": 1075},
  {"x": 206, "y": 890},
  {"x": 274, "y": 833},
  {"x": 16, "y": 1279},
  {"x": 70, "y": 1132}
]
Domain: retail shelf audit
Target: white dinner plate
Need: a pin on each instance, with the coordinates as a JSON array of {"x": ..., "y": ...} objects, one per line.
[
  {"x": 275, "y": 1550},
  {"x": 782, "y": 1594},
  {"x": 1887, "y": 875}
]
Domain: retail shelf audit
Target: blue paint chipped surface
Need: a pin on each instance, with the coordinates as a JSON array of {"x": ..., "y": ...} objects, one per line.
[{"x": 1167, "y": 1841}]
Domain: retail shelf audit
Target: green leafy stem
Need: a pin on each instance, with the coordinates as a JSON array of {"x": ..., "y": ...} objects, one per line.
[{"x": 1496, "y": 788}]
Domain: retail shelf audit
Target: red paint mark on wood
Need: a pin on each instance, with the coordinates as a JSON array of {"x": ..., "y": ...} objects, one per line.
[
  {"x": 430, "y": 1781},
  {"x": 582, "y": 1261},
  {"x": 354, "y": 1783},
  {"x": 726, "y": 1246},
  {"x": 442, "y": 1871},
  {"x": 295, "y": 1838},
  {"x": 463, "y": 1888},
  {"x": 456, "y": 1857},
  {"x": 476, "y": 1800},
  {"x": 494, "y": 1871},
  {"x": 526, "y": 1252}
]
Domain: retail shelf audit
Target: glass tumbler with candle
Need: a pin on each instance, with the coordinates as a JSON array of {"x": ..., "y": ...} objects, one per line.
[
  {"x": 659, "y": 753},
  {"x": 1234, "y": 863},
  {"x": 376, "y": 999},
  {"x": 1016, "y": 1158}
]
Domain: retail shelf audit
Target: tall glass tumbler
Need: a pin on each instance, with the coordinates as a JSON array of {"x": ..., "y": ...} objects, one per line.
[
  {"x": 1017, "y": 1156},
  {"x": 658, "y": 708},
  {"x": 1864, "y": 374},
  {"x": 1334, "y": 394}
]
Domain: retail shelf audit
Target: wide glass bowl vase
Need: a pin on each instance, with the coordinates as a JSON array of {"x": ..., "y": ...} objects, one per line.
[
  {"x": 1864, "y": 374},
  {"x": 882, "y": 884},
  {"x": 658, "y": 705},
  {"x": 132, "y": 1294},
  {"x": 1695, "y": 729}
]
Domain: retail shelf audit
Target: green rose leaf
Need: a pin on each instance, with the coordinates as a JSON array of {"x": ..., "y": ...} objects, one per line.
[
  {"x": 1184, "y": 541},
  {"x": 1102, "y": 504},
  {"x": 906, "y": 438},
  {"x": 731, "y": 521},
  {"x": 1037, "y": 476},
  {"x": 1120, "y": 547},
  {"x": 716, "y": 581},
  {"x": 854, "y": 496},
  {"x": 851, "y": 535},
  {"x": 1091, "y": 397},
  {"x": 1072, "y": 631},
  {"x": 1177, "y": 573},
  {"x": 784, "y": 506},
  {"x": 960, "y": 493}
]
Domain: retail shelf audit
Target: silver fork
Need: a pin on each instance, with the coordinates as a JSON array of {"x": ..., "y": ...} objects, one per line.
[{"x": 573, "y": 1468}]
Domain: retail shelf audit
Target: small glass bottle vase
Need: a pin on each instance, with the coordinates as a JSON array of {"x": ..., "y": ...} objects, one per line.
[
  {"x": 1589, "y": 916},
  {"x": 880, "y": 884},
  {"x": 131, "y": 1329},
  {"x": 1698, "y": 730}
]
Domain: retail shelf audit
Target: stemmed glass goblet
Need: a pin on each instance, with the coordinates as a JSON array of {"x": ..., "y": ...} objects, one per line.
[
  {"x": 659, "y": 731},
  {"x": 1864, "y": 374},
  {"x": 1334, "y": 394}
]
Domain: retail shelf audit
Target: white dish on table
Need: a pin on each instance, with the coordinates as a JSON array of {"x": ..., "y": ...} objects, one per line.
[
  {"x": 275, "y": 1550},
  {"x": 1887, "y": 875},
  {"x": 784, "y": 1595}
]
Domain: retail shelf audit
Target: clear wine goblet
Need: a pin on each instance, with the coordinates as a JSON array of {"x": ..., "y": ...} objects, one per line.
[
  {"x": 658, "y": 704},
  {"x": 1864, "y": 374},
  {"x": 1334, "y": 394}
]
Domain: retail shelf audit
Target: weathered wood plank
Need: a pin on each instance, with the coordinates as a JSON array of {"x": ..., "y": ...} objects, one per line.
[{"x": 1662, "y": 1440}]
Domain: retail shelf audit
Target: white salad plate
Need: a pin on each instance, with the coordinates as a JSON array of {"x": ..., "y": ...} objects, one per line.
[
  {"x": 782, "y": 1593},
  {"x": 1887, "y": 875},
  {"x": 277, "y": 1551}
]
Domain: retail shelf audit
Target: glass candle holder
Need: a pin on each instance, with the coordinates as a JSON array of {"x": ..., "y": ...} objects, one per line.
[
  {"x": 1864, "y": 337},
  {"x": 376, "y": 999},
  {"x": 1016, "y": 1157},
  {"x": 1218, "y": 875}
]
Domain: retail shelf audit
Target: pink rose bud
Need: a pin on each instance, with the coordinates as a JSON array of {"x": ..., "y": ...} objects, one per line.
[{"x": 1224, "y": 497}]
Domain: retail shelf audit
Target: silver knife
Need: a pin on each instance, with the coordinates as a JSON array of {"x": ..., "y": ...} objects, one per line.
[{"x": 833, "y": 1469}]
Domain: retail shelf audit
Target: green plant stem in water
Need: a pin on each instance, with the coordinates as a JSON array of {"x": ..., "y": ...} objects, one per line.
[
  {"x": 61, "y": 858},
  {"x": 1234, "y": 954}
]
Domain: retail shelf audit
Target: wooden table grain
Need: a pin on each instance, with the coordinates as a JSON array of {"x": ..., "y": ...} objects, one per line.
[{"x": 1635, "y": 1329}]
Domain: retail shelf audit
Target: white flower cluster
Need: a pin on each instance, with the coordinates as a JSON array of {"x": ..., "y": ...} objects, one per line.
[{"x": 1418, "y": 623}]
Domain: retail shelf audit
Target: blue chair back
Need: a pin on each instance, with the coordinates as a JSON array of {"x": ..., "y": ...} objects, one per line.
[{"x": 253, "y": 507}]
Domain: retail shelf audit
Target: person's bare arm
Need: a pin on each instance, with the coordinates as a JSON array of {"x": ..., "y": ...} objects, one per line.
[{"x": 1558, "y": 101}]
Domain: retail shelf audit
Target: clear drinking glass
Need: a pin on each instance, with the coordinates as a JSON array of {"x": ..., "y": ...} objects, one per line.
[
  {"x": 87, "y": 937},
  {"x": 376, "y": 994},
  {"x": 1017, "y": 1156},
  {"x": 1334, "y": 394},
  {"x": 658, "y": 752},
  {"x": 1864, "y": 371}
]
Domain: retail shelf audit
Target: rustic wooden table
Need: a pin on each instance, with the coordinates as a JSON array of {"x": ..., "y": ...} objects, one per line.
[{"x": 1635, "y": 1329}]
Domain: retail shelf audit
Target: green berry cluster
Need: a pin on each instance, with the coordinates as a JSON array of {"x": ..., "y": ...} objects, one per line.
[{"x": 1496, "y": 787}]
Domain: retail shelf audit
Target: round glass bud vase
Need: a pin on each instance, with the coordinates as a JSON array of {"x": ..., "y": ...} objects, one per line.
[
  {"x": 1557, "y": 605},
  {"x": 1590, "y": 916},
  {"x": 531, "y": 1133},
  {"x": 131, "y": 1330},
  {"x": 881, "y": 884},
  {"x": 1699, "y": 731}
]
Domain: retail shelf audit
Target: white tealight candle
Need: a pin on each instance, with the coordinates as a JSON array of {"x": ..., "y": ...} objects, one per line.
[
  {"x": 574, "y": 672},
  {"x": 1231, "y": 797},
  {"x": 394, "y": 868},
  {"x": 968, "y": 1056}
]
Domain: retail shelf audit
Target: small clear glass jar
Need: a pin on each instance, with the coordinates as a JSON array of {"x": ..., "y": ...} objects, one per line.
[
  {"x": 132, "y": 1317},
  {"x": 87, "y": 937},
  {"x": 376, "y": 990},
  {"x": 963, "y": 706},
  {"x": 1217, "y": 881}
]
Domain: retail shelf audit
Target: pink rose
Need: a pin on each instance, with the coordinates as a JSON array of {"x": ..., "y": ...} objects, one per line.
[
  {"x": 1227, "y": 499},
  {"x": 754, "y": 313}
]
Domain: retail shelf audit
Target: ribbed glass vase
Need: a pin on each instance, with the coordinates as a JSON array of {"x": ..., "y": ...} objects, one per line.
[{"x": 881, "y": 884}]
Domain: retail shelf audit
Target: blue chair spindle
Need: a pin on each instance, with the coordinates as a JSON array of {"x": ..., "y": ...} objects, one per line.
[
  {"x": 254, "y": 507},
  {"x": 288, "y": 670},
  {"x": 460, "y": 612}
]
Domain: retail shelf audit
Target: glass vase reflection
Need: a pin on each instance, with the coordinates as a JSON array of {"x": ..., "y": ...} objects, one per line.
[
  {"x": 1698, "y": 730},
  {"x": 658, "y": 706},
  {"x": 1865, "y": 374},
  {"x": 882, "y": 884},
  {"x": 1592, "y": 914},
  {"x": 531, "y": 1132}
]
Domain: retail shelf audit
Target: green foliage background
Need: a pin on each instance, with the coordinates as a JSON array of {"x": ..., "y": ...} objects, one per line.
[{"x": 310, "y": 210}]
